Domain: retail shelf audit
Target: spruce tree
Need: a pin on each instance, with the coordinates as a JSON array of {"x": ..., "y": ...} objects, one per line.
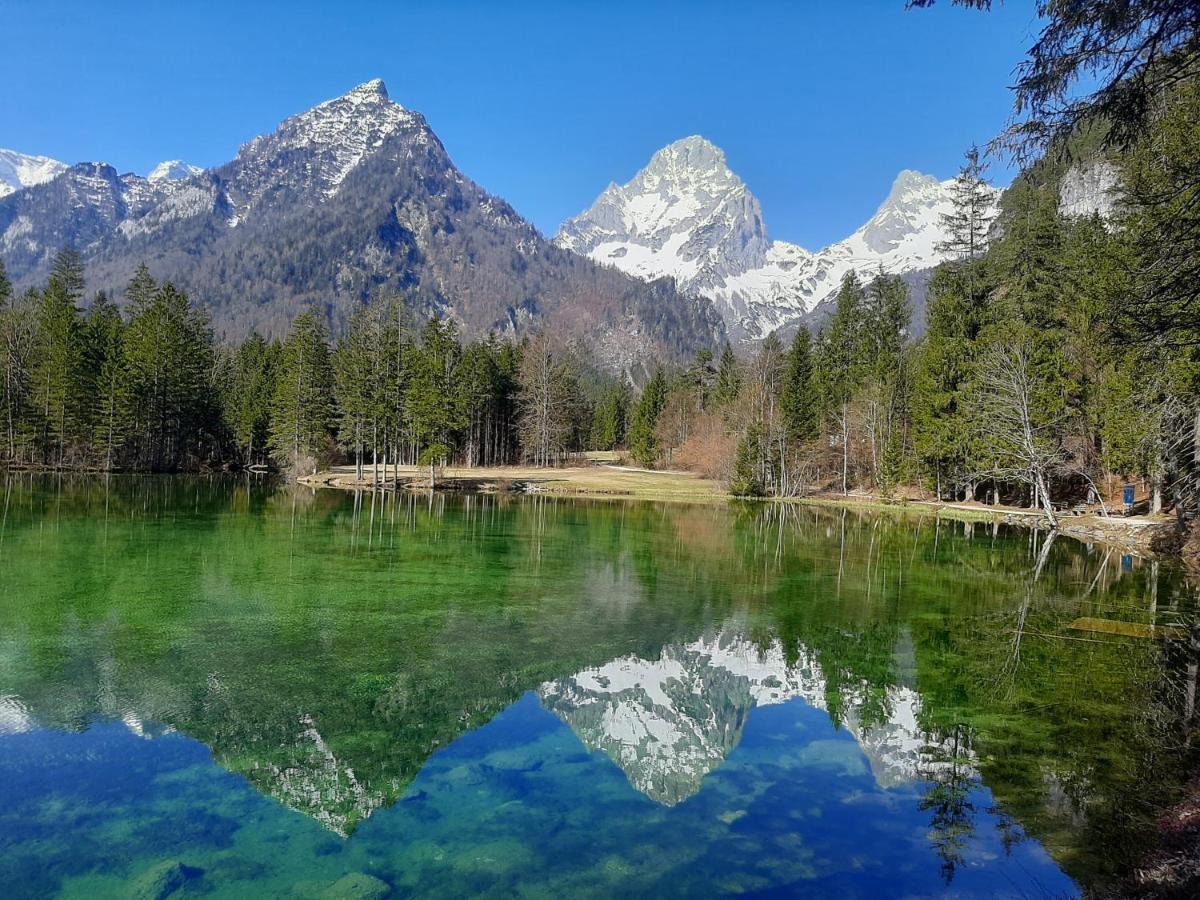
[
  {"x": 643, "y": 430},
  {"x": 108, "y": 380},
  {"x": 967, "y": 223},
  {"x": 434, "y": 400},
  {"x": 248, "y": 389},
  {"x": 800, "y": 399},
  {"x": 169, "y": 364},
  {"x": 58, "y": 357},
  {"x": 302, "y": 407},
  {"x": 728, "y": 382},
  {"x": 843, "y": 362}
]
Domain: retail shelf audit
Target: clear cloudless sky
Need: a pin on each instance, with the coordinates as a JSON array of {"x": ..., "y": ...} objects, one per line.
[{"x": 817, "y": 104}]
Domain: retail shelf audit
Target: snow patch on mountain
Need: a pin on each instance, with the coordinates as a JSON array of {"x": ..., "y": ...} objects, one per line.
[
  {"x": 17, "y": 170},
  {"x": 172, "y": 170},
  {"x": 688, "y": 217}
]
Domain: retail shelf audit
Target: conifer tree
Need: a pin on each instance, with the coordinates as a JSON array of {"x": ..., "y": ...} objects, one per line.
[
  {"x": 643, "y": 430},
  {"x": 169, "y": 365},
  {"x": 434, "y": 401},
  {"x": 745, "y": 480},
  {"x": 301, "y": 409},
  {"x": 17, "y": 336},
  {"x": 608, "y": 424},
  {"x": 249, "y": 387},
  {"x": 966, "y": 224},
  {"x": 800, "y": 399},
  {"x": 58, "y": 356},
  {"x": 843, "y": 360},
  {"x": 108, "y": 379},
  {"x": 728, "y": 382}
]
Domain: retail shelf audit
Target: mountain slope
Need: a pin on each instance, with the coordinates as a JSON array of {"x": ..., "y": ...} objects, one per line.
[
  {"x": 353, "y": 197},
  {"x": 18, "y": 171},
  {"x": 687, "y": 216}
]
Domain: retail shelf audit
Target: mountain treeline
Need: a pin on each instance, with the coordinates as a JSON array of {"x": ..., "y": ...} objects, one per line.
[{"x": 144, "y": 387}]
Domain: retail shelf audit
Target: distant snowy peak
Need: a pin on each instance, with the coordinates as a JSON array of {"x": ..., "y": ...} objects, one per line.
[
  {"x": 17, "y": 170},
  {"x": 685, "y": 215},
  {"x": 688, "y": 217},
  {"x": 173, "y": 170}
]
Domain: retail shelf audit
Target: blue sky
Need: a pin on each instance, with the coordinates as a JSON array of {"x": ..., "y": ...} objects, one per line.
[{"x": 817, "y": 104}]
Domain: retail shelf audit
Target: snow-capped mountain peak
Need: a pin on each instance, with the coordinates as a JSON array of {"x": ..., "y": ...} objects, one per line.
[
  {"x": 685, "y": 215},
  {"x": 18, "y": 170},
  {"x": 172, "y": 170},
  {"x": 689, "y": 217}
]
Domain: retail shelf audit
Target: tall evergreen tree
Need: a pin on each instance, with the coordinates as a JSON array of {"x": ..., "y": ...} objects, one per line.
[
  {"x": 169, "y": 363},
  {"x": 302, "y": 409},
  {"x": 248, "y": 389},
  {"x": 58, "y": 358},
  {"x": 800, "y": 399},
  {"x": 643, "y": 430},
  {"x": 728, "y": 382},
  {"x": 434, "y": 398},
  {"x": 843, "y": 361},
  {"x": 108, "y": 379}
]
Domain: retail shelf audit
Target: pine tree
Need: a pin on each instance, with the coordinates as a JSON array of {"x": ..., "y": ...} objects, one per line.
[
  {"x": 745, "y": 480},
  {"x": 360, "y": 372},
  {"x": 434, "y": 399},
  {"x": 608, "y": 425},
  {"x": 843, "y": 362},
  {"x": 169, "y": 362},
  {"x": 17, "y": 340},
  {"x": 728, "y": 381},
  {"x": 108, "y": 379},
  {"x": 643, "y": 430},
  {"x": 58, "y": 358},
  {"x": 301, "y": 409},
  {"x": 248, "y": 388},
  {"x": 944, "y": 370},
  {"x": 800, "y": 400},
  {"x": 966, "y": 225}
]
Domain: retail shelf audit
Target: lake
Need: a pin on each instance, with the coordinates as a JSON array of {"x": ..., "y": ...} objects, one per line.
[{"x": 237, "y": 689}]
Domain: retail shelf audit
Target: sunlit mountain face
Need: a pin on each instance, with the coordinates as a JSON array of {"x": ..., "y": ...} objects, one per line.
[{"x": 279, "y": 689}]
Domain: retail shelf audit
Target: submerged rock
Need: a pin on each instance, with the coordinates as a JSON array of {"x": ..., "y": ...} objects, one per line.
[
  {"x": 162, "y": 880},
  {"x": 357, "y": 886}
]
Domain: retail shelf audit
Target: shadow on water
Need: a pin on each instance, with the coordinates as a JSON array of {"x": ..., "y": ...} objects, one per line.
[{"x": 269, "y": 687}]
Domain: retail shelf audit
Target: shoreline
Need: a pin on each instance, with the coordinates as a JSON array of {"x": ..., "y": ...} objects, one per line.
[{"x": 1141, "y": 535}]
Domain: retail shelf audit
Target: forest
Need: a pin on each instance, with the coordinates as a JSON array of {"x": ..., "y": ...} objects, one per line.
[{"x": 1059, "y": 359}]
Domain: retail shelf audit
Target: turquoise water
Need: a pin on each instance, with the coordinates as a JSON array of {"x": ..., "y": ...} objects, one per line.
[{"x": 260, "y": 691}]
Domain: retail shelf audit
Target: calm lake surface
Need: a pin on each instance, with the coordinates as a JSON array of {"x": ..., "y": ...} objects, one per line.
[{"x": 275, "y": 688}]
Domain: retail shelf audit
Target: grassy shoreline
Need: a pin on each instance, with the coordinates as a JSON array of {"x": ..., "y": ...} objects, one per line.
[{"x": 601, "y": 479}]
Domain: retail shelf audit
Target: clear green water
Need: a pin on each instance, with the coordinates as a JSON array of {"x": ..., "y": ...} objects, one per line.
[{"x": 548, "y": 698}]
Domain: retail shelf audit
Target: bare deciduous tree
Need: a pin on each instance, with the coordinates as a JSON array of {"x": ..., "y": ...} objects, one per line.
[{"x": 1022, "y": 446}]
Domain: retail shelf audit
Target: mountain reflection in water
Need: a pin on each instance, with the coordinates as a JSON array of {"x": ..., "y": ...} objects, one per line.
[{"x": 469, "y": 695}]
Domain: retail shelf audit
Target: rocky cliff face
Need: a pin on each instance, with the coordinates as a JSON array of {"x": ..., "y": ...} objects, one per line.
[{"x": 1090, "y": 188}]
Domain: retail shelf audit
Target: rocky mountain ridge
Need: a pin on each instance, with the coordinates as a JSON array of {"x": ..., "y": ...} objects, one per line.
[
  {"x": 353, "y": 198},
  {"x": 687, "y": 216}
]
